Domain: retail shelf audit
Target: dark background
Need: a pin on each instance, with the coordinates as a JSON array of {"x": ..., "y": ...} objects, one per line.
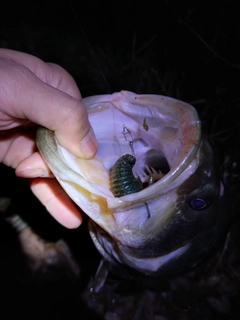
[{"x": 184, "y": 49}]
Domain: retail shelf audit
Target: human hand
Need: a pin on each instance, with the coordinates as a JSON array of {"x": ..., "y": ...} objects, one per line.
[{"x": 33, "y": 93}]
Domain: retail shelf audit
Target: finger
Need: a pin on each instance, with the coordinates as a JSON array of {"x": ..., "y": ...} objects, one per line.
[
  {"x": 50, "y": 107},
  {"x": 16, "y": 145},
  {"x": 17, "y": 150},
  {"x": 33, "y": 167},
  {"x": 50, "y": 73},
  {"x": 56, "y": 201},
  {"x": 64, "y": 115},
  {"x": 61, "y": 79}
]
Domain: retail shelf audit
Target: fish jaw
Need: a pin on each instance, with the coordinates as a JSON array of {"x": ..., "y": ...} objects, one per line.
[
  {"x": 174, "y": 132},
  {"x": 157, "y": 127},
  {"x": 178, "y": 237}
]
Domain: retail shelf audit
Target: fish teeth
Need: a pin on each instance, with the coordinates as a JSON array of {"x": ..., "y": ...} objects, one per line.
[
  {"x": 153, "y": 175},
  {"x": 148, "y": 174}
]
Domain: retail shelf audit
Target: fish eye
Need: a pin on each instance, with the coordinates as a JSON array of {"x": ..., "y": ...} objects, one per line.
[
  {"x": 202, "y": 198},
  {"x": 199, "y": 203}
]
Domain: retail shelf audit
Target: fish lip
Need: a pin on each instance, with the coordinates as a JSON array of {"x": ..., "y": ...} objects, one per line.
[
  {"x": 190, "y": 150},
  {"x": 189, "y": 121},
  {"x": 171, "y": 180},
  {"x": 125, "y": 222}
]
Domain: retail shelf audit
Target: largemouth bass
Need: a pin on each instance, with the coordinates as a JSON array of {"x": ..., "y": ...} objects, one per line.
[{"x": 152, "y": 193}]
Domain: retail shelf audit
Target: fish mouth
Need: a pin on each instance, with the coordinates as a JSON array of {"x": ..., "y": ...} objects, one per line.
[
  {"x": 151, "y": 146},
  {"x": 162, "y": 134}
]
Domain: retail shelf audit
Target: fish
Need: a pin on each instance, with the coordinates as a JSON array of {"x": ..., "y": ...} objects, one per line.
[{"x": 174, "y": 213}]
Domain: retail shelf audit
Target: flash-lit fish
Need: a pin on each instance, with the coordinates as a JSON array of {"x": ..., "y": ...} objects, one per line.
[{"x": 175, "y": 213}]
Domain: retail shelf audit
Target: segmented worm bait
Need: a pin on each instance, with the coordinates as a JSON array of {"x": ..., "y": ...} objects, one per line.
[{"x": 122, "y": 180}]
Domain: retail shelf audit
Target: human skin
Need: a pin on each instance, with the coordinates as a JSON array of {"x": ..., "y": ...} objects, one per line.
[{"x": 34, "y": 93}]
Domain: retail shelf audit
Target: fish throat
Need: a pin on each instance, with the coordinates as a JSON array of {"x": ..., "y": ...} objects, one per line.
[{"x": 122, "y": 180}]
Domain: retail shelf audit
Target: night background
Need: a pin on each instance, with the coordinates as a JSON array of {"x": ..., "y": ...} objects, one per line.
[{"x": 189, "y": 50}]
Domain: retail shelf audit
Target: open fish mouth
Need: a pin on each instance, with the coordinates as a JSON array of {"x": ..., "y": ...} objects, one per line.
[{"x": 151, "y": 191}]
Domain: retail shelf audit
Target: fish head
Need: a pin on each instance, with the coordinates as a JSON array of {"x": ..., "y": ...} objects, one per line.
[{"x": 151, "y": 192}]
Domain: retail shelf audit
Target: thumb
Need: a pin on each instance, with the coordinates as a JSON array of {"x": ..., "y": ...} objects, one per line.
[
  {"x": 75, "y": 132},
  {"x": 57, "y": 111}
]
